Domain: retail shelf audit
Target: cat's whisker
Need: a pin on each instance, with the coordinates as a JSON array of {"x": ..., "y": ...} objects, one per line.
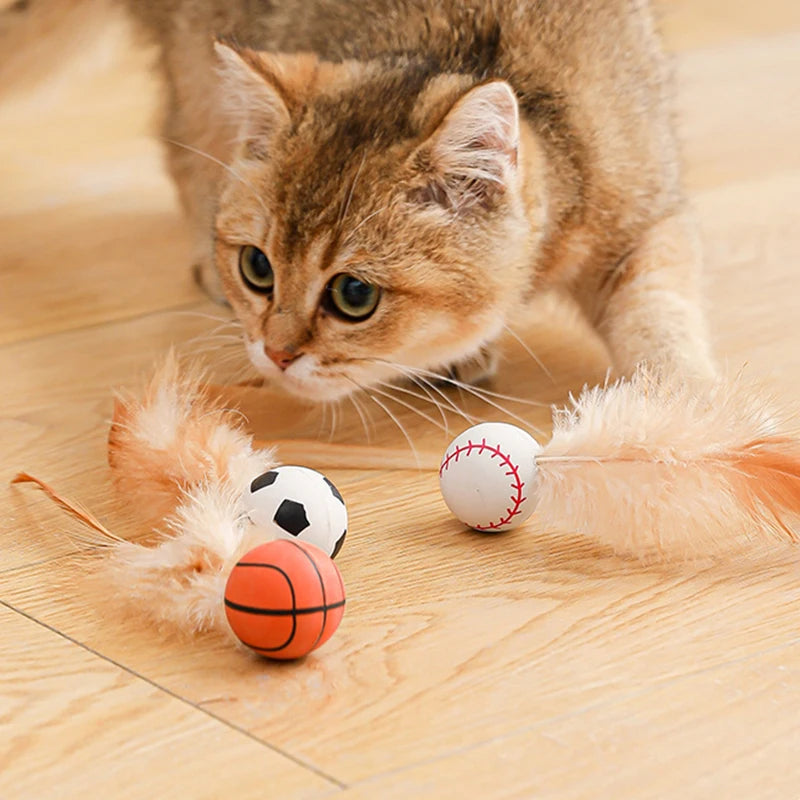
[
  {"x": 361, "y": 416},
  {"x": 220, "y": 330},
  {"x": 478, "y": 394},
  {"x": 229, "y": 349},
  {"x": 427, "y": 397},
  {"x": 346, "y": 206},
  {"x": 431, "y": 398},
  {"x": 214, "y": 338},
  {"x": 421, "y": 382},
  {"x": 484, "y": 395},
  {"x": 204, "y": 315},
  {"x": 391, "y": 416},
  {"x": 366, "y": 220},
  {"x": 526, "y": 347},
  {"x": 323, "y": 418},
  {"x": 477, "y": 390},
  {"x": 409, "y": 406},
  {"x": 222, "y": 164},
  {"x": 246, "y": 370},
  {"x": 334, "y": 419}
]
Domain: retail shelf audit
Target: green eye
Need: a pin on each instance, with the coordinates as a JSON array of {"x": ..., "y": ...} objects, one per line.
[
  {"x": 351, "y": 298},
  {"x": 256, "y": 270}
]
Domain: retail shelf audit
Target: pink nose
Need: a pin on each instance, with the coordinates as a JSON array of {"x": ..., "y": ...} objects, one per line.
[{"x": 281, "y": 358}]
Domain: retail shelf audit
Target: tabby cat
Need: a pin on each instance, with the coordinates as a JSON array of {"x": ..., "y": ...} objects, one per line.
[{"x": 383, "y": 185}]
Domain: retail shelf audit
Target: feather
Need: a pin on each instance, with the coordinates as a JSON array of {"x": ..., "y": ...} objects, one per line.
[
  {"x": 176, "y": 436},
  {"x": 179, "y": 583},
  {"x": 658, "y": 469},
  {"x": 184, "y": 461}
]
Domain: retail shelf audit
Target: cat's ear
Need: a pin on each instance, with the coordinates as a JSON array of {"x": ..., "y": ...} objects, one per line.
[
  {"x": 472, "y": 154},
  {"x": 259, "y": 93}
]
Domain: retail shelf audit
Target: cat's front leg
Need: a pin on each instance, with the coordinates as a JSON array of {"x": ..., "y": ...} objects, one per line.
[{"x": 648, "y": 308}]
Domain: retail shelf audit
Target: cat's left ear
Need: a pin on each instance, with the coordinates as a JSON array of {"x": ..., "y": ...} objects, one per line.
[{"x": 473, "y": 152}]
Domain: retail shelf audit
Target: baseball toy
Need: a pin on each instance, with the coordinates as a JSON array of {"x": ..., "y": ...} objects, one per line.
[
  {"x": 284, "y": 599},
  {"x": 488, "y": 476},
  {"x": 298, "y": 503}
]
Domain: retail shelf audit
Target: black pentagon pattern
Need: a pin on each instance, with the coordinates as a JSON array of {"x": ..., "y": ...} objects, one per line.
[
  {"x": 267, "y": 479},
  {"x": 334, "y": 491},
  {"x": 338, "y": 546},
  {"x": 291, "y": 516}
]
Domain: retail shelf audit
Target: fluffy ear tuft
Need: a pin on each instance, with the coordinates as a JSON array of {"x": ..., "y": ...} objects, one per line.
[
  {"x": 473, "y": 152},
  {"x": 253, "y": 96}
]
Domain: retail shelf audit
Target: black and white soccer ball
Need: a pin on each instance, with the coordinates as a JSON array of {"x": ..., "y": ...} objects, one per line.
[{"x": 298, "y": 503}]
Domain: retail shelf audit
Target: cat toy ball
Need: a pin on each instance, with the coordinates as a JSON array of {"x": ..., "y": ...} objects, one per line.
[
  {"x": 298, "y": 503},
  {"x": 284, "y": 599},
  {"x": 488, "y": 476}
]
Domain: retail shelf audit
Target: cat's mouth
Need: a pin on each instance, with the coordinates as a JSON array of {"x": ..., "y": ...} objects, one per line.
[{"x": 303, "y": 378}]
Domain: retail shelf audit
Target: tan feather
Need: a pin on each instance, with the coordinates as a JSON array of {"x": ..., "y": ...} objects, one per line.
[
  {"x": 176, "y": 436},
  {"x": 183, "y": 461},
  {"x": 656, "y": 468}
]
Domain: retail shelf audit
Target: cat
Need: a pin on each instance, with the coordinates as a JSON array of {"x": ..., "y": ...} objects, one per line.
[{"x": 381, "y": 186}]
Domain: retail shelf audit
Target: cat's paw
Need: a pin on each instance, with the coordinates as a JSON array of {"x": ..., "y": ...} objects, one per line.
[{"x": 207, "y": 278}]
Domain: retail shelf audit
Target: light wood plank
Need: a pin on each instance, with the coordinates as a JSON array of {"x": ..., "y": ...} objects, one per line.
[
  {"x": 689, "y": 24},
  {"x": 75, "y": 725},
  {"x": 739, "y": 110},
  {"x": 474, "y": 634},
  {"x": 131, "y": 263},
  {"x": 653, "y": 743}
]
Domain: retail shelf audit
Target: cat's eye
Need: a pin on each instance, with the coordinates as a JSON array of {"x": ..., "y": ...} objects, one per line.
[
  {"x": 256, "y": 270},
  {"x": 351, "y": 298}
]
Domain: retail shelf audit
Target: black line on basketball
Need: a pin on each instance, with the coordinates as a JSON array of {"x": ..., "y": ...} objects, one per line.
[
  {"x": 291, "y": 589},
  {"x": 260, "y": 649},
  {"x": 322, "y": 589},
  {"x": 280, "y": 612}
]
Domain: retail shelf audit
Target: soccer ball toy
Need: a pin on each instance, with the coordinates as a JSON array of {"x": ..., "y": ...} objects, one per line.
[
  {"x": 300, "y": 504},
  {"x": 284, "y": 599},
  {"x": 488, "y": 476}
]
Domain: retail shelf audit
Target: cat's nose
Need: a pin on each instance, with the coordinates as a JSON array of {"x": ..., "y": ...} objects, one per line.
[{"x": 281, "y": 358}]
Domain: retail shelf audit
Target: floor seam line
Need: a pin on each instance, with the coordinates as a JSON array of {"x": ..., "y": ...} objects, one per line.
[{"x": 130, "y": 671}]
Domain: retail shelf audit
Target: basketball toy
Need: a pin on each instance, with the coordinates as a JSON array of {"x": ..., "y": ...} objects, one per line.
[
  {"x": 298, "y": 503},
  {"x": 284, "y": 599},
  {"x": 488, "y": 476}
]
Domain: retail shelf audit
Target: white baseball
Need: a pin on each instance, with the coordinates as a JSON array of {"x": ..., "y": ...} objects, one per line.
[{"x": 488, "y": 476}]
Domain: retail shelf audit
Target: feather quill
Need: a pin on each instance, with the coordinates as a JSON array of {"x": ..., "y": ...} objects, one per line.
[{"x": 657, "y": 468}]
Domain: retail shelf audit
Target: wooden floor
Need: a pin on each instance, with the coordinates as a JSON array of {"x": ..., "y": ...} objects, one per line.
[{"x": 532, "y": 665}]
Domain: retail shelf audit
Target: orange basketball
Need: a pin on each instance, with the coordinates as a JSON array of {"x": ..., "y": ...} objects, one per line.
[{"x": 284, "y": 599}]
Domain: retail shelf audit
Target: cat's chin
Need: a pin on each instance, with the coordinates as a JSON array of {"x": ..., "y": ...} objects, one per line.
[{"x": 313, "y": 390}]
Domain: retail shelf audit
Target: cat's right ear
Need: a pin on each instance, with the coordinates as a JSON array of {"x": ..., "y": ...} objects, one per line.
[
  {"x": 471, "y": 157},
  {"x": 258, "y": 105}
]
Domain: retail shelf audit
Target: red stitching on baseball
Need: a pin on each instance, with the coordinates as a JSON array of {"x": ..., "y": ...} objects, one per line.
[{"x": 516, "y": 499}]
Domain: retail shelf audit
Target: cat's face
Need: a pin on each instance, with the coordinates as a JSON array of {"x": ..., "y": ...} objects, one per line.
[{"x": 356, "y": 243}]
